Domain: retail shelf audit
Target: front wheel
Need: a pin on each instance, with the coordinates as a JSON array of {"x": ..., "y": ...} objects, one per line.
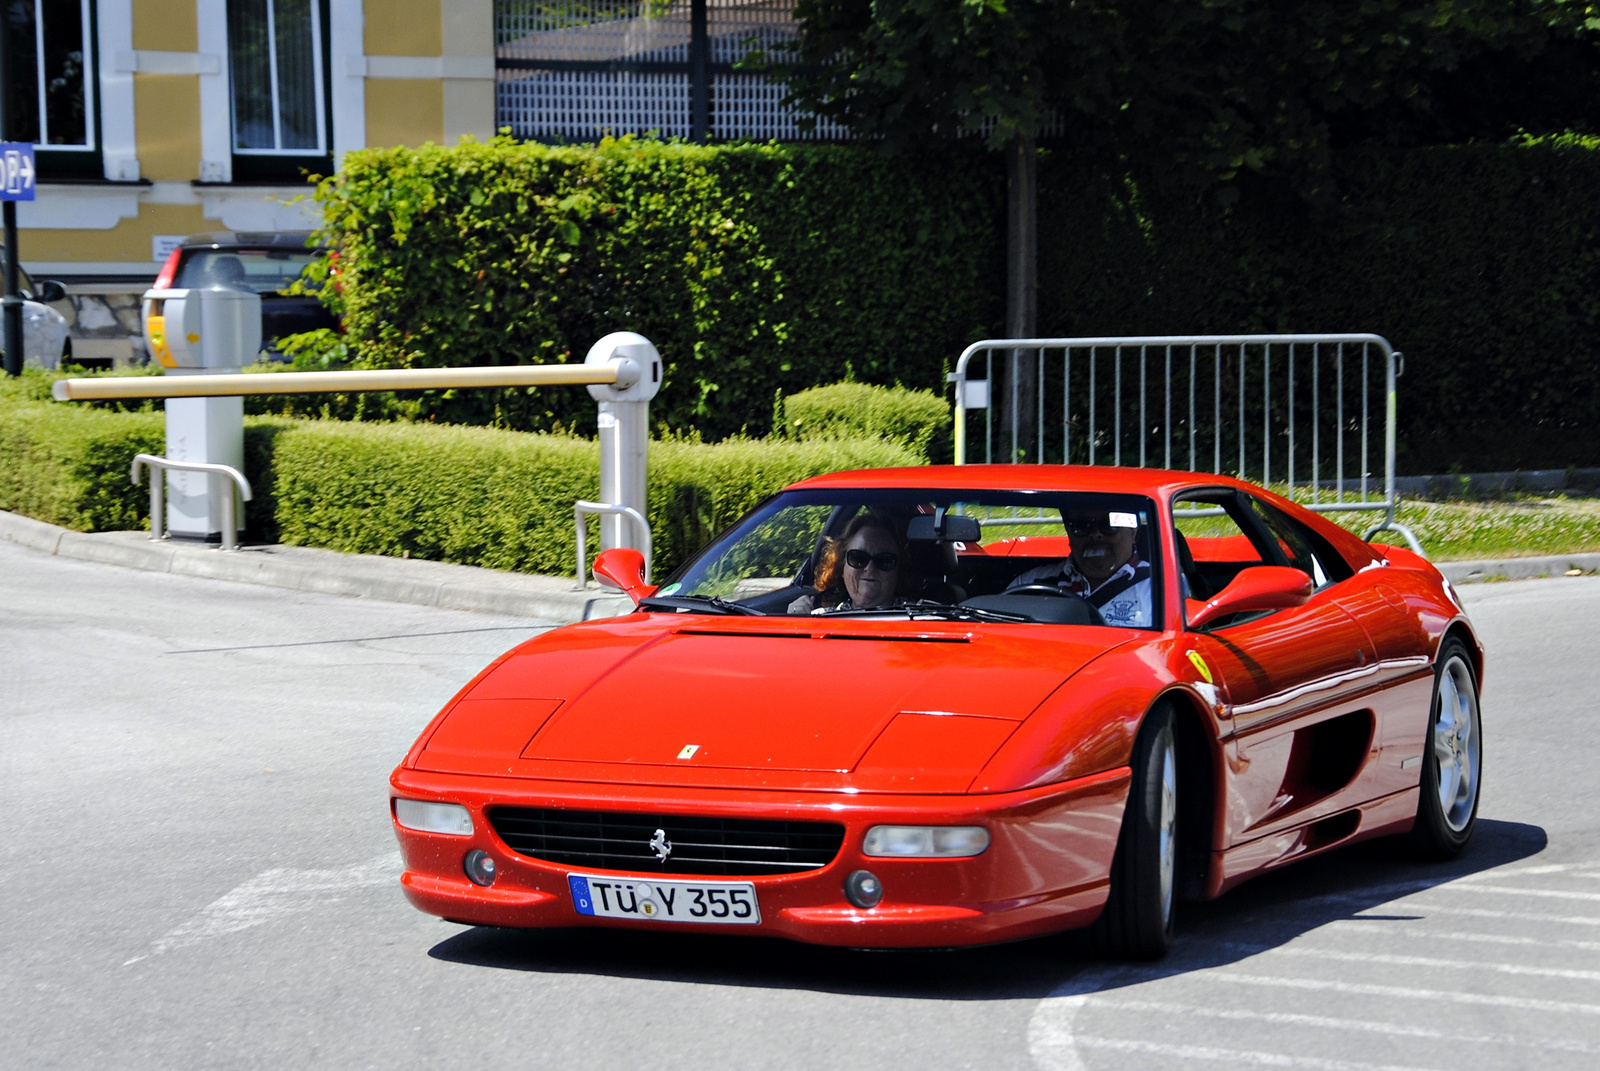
[
  {"x": 1138, "y": 919},
  {"x": 1452, "y": 758}
]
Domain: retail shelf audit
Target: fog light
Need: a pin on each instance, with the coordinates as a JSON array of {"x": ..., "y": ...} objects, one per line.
[
  {"x": 479, "y": 867},
  {"x": 863, "y": 889},
  {"x": 927, "y": 842},
  {"x": 425, "y": 817}
]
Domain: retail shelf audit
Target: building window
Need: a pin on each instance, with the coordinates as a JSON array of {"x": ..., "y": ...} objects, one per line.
[
  {"x": 276, "y": 57},
  {"x": 51, "y": 96}
]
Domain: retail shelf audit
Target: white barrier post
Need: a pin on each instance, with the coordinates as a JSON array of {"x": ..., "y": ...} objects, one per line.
[
  {"x": 624, "y": 428},
  {"x": 192, "y": 332}
]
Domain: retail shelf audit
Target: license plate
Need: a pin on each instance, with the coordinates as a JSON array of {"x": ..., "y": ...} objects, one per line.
[{"x": 728, "y": 902}]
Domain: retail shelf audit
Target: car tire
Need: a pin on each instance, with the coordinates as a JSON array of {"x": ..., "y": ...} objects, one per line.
[
  {"x": 1452, "y": 758},
  {"x": 1137, "y": 922}
]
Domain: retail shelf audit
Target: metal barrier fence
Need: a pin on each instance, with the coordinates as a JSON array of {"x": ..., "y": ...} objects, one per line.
[
  {"x": 158, "y": 510},
  {"x": 1300, "y": 410},
  {"x": 580, "y": 69},
  {"x": 582, "y": 509}
]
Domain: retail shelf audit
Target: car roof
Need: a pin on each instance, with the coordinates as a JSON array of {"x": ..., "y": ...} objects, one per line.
[
  {"x": 1106, "y": 478},
  {"x": 249, "y": 240}
]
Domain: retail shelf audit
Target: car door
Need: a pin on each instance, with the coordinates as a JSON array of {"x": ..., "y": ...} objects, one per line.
[
  {"x": 1294, "y": 680},
  {"x": 1401, "y": 685}
]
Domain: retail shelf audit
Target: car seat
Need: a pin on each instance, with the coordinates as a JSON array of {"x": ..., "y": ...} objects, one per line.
[{"x": 227, "y": 271}]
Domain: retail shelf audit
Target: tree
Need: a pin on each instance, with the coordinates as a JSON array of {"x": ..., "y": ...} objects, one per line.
[{"x": 1219, "y": 88}]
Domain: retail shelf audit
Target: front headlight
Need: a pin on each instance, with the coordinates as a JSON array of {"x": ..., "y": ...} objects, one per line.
[
  {"x": 925, "y": 842},
  {"x": 451, "y": 818}
]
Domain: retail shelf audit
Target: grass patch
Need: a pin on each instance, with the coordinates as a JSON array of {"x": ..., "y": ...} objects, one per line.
[{"x": 1508, "y": 528}]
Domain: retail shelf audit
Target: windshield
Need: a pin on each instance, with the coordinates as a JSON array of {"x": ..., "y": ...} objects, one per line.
[
  {"x": 1019, "y": 556},
  {"x": 260, "y": 271}
]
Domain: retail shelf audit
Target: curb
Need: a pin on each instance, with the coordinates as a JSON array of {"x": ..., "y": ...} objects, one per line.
[
  {"x": 1518, "y": 568},
  {"x": 329, "y": 572},
  {"x": 466, "y": 587}
]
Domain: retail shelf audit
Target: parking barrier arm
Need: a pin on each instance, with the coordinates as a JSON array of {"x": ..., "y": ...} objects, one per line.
[{"x": 253, "y": 383}]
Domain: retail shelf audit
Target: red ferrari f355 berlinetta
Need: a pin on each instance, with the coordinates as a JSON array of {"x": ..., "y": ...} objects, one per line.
[{"x": 945, "y": 706}]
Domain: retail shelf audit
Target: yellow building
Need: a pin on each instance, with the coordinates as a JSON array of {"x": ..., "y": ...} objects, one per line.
[{"x": 156, "y": 119}]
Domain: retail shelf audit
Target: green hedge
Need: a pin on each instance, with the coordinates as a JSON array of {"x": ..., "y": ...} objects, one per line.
[
  {"x": 918, "y": 419},
  {"x": 767, "y": 268},
  {"x": 478, "y": 496},
  {"x": 503, "y": 499},
  {"x": 1480, "y": 262},
  {"x": 753, "y": 268},
  {"x": 69, "y": 466}
]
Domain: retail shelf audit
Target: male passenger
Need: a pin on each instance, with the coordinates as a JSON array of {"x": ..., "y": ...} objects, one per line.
[{"x": 1103, "y": 568}]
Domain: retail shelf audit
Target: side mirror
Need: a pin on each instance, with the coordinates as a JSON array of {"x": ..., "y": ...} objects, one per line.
[
  {"x": 1261, "y": 587},
  {"x": 622, "y": 569},
  {"x": 48, "y": 290}
]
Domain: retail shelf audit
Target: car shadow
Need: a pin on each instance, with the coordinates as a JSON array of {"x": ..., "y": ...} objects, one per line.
[{"x": 1259, "y": 915}]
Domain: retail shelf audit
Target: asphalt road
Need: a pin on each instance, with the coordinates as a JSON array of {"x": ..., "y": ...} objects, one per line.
[{"x": 197, "y": 870}]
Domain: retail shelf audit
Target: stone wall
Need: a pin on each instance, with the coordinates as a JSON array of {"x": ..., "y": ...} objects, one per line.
[{"x": 105, "y": 328}]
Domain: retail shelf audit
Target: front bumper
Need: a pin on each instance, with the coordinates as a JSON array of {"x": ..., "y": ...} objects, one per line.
[{"x": 1046, "y": 869}]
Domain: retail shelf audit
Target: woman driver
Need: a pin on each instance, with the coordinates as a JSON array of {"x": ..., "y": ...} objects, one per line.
[{"x": 859, "y": 570}]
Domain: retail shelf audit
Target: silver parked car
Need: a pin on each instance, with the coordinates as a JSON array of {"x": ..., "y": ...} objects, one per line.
[{"x": 45, "y": 341}]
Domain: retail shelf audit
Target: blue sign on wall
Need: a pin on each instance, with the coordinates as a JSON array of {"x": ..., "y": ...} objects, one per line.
[{"x": 16, "y": 171}]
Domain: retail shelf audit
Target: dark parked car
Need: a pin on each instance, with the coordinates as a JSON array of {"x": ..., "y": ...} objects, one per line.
[{"x": 265, "y": 262}]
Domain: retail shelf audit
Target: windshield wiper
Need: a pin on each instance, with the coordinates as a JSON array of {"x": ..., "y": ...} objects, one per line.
[
  {"x": 937, "y": 610},
  {"x": 699, "y": 603}
]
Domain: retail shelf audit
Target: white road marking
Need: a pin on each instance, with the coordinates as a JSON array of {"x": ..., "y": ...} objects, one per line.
[
  {"x": 1510, "y": 916},
  {"x": 1414, "y": 961},
  {"x": 1052, "y": 1041},
  {"x": 1406, "y": 993},
  {"x": 1236, "y": 1057},
  {"x": 1396, "y": 893},
  {"x": 1324, "y": 1022},
  {"x": 1504, "y": 872},
  {"x": 1470, "y": 938},
  {"x": 1515, "y": 890},
  {"x": 272, "y": 895}
]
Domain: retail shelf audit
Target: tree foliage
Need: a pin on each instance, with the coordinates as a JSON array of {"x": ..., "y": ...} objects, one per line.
[
  {"x": 753, "y": 268},
  {"x": 1219, "y": 87}
]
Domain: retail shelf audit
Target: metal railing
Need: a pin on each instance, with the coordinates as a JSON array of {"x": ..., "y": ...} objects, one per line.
[
  {"x": 582, "y": 509},
  {"x": 158, "y": 507},
  {"x": 1296, "y": 408}
]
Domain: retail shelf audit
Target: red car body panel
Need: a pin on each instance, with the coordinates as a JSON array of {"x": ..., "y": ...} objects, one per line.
[{"x": 1310, "y": 720}]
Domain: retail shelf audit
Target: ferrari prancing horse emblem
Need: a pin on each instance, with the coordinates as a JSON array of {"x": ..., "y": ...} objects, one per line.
[{"x": 661, "y": 845}]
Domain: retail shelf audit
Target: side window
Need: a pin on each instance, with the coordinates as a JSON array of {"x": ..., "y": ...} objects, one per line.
[
  {"x": 51, "y": 90},
  {"x": 1213, "y": 545},
  {"x": 1304, "y": 548},
  {"x": 277, "y": 67}
]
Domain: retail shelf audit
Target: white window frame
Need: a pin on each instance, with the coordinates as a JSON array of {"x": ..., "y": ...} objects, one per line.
[
  {"x": 318, "y": 82},
  {"x": 89, "y": 144}
]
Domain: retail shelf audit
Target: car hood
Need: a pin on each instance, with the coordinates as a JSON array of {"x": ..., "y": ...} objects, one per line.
[{"x": 921, "y": 707}]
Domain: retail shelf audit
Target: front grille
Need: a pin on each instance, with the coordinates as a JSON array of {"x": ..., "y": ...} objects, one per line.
[{"x": 700, "y": 845}]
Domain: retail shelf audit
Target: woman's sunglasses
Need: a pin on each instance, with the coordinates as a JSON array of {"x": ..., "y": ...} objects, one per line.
[{"x": 859, "y": 559}]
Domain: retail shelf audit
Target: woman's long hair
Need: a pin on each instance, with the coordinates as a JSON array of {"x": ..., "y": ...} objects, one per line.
[{"x": 830, "y": 566}]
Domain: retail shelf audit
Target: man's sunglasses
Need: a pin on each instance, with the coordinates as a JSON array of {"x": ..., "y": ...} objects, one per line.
[
  {"x": 859, "y": 559},
  {"x": 1082, "y": 526}
]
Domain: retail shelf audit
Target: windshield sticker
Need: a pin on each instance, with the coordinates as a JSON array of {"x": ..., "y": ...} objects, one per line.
[{"x": 1124, "y": 520}]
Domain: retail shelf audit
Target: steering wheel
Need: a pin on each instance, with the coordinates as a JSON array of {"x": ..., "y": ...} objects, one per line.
[{"x": 1044, "y": 589}]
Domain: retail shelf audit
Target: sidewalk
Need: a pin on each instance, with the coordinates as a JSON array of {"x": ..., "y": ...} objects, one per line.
[
  {"x": 465, "y": 587},
  {"x": 330, "y": 572}
]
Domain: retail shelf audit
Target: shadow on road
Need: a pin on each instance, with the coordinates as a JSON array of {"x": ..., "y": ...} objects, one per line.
[{"x": 1259, "y": 915}]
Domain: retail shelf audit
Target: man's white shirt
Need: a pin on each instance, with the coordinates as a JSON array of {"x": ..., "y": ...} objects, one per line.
[{"x": 1129, "y": 608}]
